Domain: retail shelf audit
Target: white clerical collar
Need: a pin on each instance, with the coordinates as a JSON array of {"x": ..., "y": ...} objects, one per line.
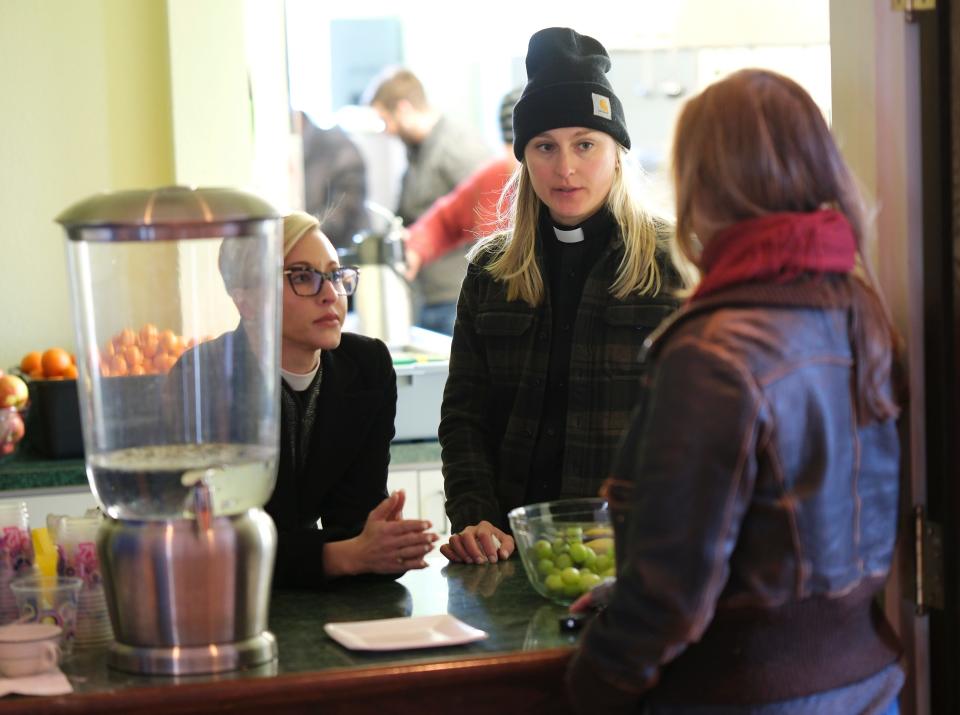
[
  {"x": 300, "y": 381},
  {"x": 573, "y": 235}
]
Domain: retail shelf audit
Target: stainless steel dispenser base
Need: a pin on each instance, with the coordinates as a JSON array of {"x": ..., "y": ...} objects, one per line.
[
  {"x": 194, "y": 660},
  {"x": 189, "y": 596}
]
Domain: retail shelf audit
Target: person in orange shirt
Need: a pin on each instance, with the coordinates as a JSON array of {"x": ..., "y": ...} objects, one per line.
[{"x": 470, "y": 210}]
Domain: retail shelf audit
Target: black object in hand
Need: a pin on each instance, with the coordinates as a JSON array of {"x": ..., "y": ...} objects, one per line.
[{"x": 573, "y": 622}]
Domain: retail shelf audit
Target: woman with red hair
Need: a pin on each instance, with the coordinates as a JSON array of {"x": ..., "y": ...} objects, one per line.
[{"x": 756, "y": 491}]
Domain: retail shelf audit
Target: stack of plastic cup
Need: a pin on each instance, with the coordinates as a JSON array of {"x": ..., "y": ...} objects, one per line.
[
  {"x": 16, "y": 554},
  {"x": 49, "y": 599},
  {"x": 77, "y": 556}
]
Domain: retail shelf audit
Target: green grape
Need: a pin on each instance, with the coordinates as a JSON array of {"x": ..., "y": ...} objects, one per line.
[
  {"x": 572, "y": 590},
  {"x": 609, "y": 572},
  {"x": 554, "y": 582},
  {"x": 603, "y": 562},
  {"x": 574, "y": 533},
  {"x": 563, "y": 561},
  {"x": 589, "y": 580},
  {"x": 578, "y": 552},
  {"x": 570, "y": 576},
  {"x": 545, "y": 566},
  {"x": 591, "y": 560},
  {"x": 543, "y": 549}
]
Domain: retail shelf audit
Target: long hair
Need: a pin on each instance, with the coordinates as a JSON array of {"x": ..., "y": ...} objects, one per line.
[
  {"x": 755, "y": 143},
  {"x": 512, "y": 251}
]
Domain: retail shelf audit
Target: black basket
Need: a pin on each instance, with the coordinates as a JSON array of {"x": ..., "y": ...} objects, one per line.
[{"x": 53, "y": 421}]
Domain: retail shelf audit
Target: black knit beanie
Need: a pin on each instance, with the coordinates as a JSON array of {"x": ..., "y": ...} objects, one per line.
[{"x": 567, "y": 86}]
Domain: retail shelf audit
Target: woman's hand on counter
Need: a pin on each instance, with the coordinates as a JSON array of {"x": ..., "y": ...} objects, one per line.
[
  {"x": 388, "y": 544},
  {"x": 479, "y": 544}
]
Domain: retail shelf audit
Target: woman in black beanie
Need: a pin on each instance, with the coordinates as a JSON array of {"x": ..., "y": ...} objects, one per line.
[{"x": 544, "y": 367}]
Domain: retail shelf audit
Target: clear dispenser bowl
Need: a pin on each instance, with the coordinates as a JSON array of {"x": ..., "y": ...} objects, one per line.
[{"x": 176, "y": 297}]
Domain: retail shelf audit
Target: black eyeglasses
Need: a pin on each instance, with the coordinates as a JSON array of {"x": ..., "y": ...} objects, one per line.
[{"x": 308, "y": 282}]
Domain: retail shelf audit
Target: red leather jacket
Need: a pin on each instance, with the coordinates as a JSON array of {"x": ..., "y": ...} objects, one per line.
[{"x": 762, "y": 516}]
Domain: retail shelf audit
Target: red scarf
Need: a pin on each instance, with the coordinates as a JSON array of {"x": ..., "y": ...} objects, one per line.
[{"x": 776, "y": 249}]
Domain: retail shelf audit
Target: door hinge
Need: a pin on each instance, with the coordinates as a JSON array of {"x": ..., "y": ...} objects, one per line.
[
  {"x": 909, "y": 7},
  {"x": 928, "y": 562}
]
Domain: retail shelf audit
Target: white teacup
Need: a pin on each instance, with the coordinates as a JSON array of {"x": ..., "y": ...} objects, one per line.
[{"x": 28, "y": 648}]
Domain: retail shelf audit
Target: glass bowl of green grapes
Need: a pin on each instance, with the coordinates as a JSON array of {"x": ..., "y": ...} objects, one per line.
[{"x": 566, "y": 546}]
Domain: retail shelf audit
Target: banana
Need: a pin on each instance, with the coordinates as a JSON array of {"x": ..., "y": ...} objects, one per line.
[{"x": 600, "y": 546}]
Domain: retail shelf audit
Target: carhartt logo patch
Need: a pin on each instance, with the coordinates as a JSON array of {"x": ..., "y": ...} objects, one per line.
[{"x": 601, "y": 105}]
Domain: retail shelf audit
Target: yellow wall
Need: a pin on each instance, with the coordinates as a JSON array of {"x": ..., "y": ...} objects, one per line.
[
  {"x": 85, "y": 89},
  {"x": 105, "y": 95}
]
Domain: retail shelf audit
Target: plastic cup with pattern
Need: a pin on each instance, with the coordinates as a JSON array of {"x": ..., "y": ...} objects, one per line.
[
  {"x": 16, "y": 554},
  {"x": 77, "y": 557},
  {"x": 76, "y": 541},
  {"x": 50, "y": 599}
]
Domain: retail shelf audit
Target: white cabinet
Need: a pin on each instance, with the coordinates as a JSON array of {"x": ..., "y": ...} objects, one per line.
[
  {"x": 71, "y": 501},
  {"x": 406, "y": 479},
  {"x": 432, "y": 500},
  {"x": 425, "y": 500}
]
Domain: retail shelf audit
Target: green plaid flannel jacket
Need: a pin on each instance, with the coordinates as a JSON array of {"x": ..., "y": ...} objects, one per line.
[{"x": 498, "y": 368}]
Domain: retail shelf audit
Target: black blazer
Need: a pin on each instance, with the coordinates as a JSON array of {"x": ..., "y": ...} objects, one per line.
[{"x": 345, "y": 475}]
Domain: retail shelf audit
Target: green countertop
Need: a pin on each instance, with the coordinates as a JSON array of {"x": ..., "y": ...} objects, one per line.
[
  {"x": 496, "y": 598},
  {"x": 23, "y": 470}
]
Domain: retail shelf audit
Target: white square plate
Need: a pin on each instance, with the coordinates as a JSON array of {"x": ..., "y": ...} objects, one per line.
[{"x": 403, "y": 633}]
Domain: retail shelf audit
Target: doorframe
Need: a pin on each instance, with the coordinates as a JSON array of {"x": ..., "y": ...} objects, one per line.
[
  {"x": 939, "y": 105},
  {"x": 875, "y": 71}
]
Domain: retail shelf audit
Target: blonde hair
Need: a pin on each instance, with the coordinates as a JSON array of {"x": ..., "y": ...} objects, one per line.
[
  {"x": 296, "y": 225},
  {"x": 512, "y": 252}
]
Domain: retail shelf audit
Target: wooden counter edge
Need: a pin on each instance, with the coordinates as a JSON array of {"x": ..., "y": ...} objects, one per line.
[{"x": 488, "y": 684}]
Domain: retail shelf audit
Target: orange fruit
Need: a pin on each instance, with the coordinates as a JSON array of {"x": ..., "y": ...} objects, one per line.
[
  {"x": 70, "y": 373},
  {"x": 150, "y": 346},
  {"x": 168, "y": 340},
  {"x": 132, "y": 355},
  {"x": 127, "y": 337},
  {"x": 164, "y": 362},
  {"x": 118, "y": 366},
  {"x": 36, "y": 374},
  {"x": 137, "y": 370},
  {"x": 55, "y": 361},
  {"x": 73, "y": 358},
  {"x": 147, "y": 333},
  {"x": 31, "y": 362}
]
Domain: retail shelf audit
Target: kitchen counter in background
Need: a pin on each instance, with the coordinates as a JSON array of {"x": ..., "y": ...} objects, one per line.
[
  {"x": 23, "y": 471},
  {"x": 519, "y": 666},
  {"x": 59, "y": 486}
]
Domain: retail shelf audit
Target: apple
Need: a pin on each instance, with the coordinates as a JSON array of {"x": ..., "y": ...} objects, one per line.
[
  {"x": 13, "y": 391},
  {"x": 11, "y": 430}
]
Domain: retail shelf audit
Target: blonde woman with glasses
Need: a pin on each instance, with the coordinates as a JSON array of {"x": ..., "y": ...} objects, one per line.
[{"x": 338, "y": 399}]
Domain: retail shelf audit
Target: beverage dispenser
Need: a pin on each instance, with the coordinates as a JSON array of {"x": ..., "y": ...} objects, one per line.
[{"x": 176, "y": 306}]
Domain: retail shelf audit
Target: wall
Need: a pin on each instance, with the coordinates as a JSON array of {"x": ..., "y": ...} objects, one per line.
[
  {"x": 466, "y": 79},
  {"x": 108, "y": 95},
  {"x": 79, "y": 117}
]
